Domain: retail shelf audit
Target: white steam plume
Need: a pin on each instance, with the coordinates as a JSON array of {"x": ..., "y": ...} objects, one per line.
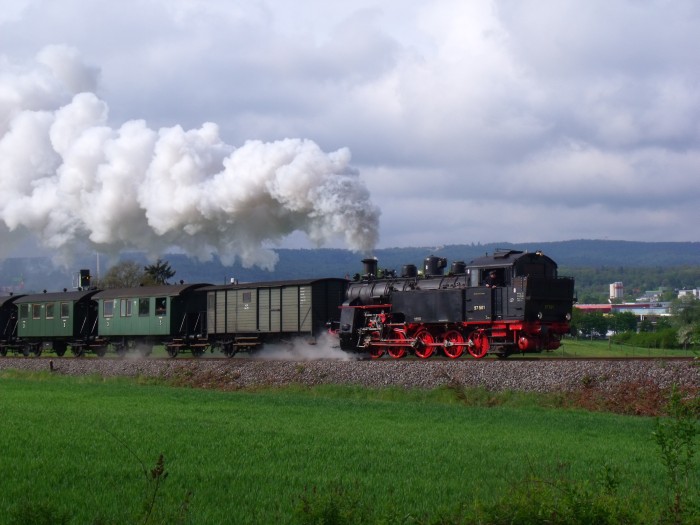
[{"x": 71, "y": 180}]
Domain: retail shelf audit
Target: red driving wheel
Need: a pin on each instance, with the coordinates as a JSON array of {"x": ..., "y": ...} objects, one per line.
[
  {"x": 397, "y": 352},
  {"x": 452, "y": 341},
  {"x": 424, "y": 344},
  {"x": 376, "y": 351},
  {"x": 479, "y": 344}
]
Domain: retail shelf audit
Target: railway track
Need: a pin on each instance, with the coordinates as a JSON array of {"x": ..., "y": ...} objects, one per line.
[{"x": 538, "y": 375}]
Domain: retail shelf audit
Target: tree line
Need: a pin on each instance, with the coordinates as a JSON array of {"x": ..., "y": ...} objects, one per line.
[
  {"x": 130, "y": 274},
  {"x": 679, "y": 330},
  {"x": 593, "y": 284}
]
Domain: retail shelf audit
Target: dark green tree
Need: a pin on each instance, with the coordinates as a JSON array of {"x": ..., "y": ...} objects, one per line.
[
  {"x": 125, "y": 274},
  {"x": 159, "y": 272},
  {"x": 623, "y": 322}
]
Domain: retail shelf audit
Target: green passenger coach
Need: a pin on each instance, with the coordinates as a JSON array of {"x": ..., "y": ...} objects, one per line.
[
  {"x": 56, "y": 320},
  {"x": 142, "y": 317},
  {"x": 244, "y": 316}
]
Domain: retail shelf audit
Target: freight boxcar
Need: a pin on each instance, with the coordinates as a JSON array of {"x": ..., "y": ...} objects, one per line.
[{"x": 244, "y": 316}]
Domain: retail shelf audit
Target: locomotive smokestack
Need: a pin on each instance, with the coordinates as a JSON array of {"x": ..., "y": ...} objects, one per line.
[
  {"x": 434, "y": 265},
  {"x": 370, "y": 265},
  {"x": 458, "y": 267}
]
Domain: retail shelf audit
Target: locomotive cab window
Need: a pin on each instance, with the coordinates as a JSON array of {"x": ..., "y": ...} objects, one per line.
[
  {"x": 144, "y": 307},
  {"x": 161, "y": 304},
  {"x": 493, "y": 277}
]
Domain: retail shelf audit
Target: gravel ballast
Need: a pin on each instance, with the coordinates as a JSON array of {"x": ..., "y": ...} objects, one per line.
[{"x": 564, "y": 375}]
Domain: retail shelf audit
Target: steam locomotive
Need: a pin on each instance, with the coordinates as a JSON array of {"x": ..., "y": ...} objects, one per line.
[{"x": 503, "y": 303}]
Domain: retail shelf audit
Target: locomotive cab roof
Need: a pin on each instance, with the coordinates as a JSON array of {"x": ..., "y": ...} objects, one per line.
[{"x": 523, "y": 263}]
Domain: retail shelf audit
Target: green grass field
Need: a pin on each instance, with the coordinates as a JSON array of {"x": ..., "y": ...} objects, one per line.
[
  {"x": 572, "y": 348},
  {"x": 82, "y": 450}
]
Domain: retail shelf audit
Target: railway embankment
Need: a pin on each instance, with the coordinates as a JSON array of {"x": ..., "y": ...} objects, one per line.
[{"x": 565, "y": 375}]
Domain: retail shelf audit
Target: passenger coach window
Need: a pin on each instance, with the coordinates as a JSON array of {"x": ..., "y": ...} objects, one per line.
[
  {"x": 144, "y": 307},
  {"x": 247, "y": 296},
  {"x": 36, "y": 311},
  {"x": 160, "y": 305},
  {"x": 65, "y": 310},
  {"x": 23, "y": 311},
  {"x": 49, "y": 310},
  {"x": 125, "y": 308},
  {"x": 108, "y": 308}
]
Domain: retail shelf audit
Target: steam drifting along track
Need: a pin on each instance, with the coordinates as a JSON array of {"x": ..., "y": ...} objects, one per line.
[{"x": 528, "y": 376}]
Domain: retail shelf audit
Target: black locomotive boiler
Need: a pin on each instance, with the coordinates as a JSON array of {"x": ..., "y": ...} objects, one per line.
[{"x": 508, "y": 302}]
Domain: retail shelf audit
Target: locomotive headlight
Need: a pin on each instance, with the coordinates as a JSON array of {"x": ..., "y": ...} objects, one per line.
[
  {"x": 568, "y": 317},
  {"x": 539, "y": 315}
]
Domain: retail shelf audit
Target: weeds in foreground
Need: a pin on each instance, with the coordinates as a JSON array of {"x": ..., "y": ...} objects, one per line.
[
  {"x": 558, "y": 500},
  {"x": 676, "y": 437},
  {"x": 31, "y": 512},
  {"x": 554, "y": 500}
]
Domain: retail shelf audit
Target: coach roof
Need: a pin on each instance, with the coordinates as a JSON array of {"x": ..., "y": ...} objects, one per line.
[
  {"x": 148, "y": 291},
  {"x": 56, "y": 296}
]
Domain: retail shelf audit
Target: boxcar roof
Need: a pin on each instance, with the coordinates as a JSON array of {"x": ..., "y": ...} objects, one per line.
[
  {"x": 56, "y": 296},
  {"x": 272, "y": 284},
  {"x": 148, "y": 291}
]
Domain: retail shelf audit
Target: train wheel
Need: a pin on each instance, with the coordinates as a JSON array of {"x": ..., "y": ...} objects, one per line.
[
  {"x": 26, "y": 350},
  {"x": 171, "y": 350},
  {"x": 3, "y": 350},
  {"x": 78, "y": 350},
  {"x": 101, "y": 351},
  {"x": 424, "y": 344},
  {"x": 197, "y": 352},
  {"x": 37, "y": 349},
  {"x": 376, "y": 351},
  {"x": 452, "y": 341},
  {"x": 120, "y": 349},
  {"x": 479, "y": 344},
  {"x": 228, "y": 349},
  {"x": 397, "y": 352}
]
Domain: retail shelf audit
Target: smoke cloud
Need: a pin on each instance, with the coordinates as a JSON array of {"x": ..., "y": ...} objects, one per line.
[{"x": 73, "y": 181}]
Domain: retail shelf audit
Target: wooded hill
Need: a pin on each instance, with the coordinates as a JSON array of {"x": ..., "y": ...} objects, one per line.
[{"x": 594, "y": 263}]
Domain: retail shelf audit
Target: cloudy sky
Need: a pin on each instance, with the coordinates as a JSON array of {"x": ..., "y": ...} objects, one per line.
[{"x": 466, "y": 120}]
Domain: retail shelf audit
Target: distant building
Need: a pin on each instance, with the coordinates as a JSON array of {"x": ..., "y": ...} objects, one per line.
[
  {"x": 616, "y": 291},
  {"x": 695, "y": 293},
  {"x": 651, "y": 296},
  {"x": 641, "y": 310}
]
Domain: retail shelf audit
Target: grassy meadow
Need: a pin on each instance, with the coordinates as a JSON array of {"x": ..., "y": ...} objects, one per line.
[
  {"x": 86, "y": 450},
  {"x": 585, "y": 348}
]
